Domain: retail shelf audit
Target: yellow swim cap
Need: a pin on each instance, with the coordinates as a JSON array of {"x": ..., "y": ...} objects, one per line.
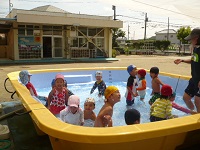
[{"x": 110, "y": 90}]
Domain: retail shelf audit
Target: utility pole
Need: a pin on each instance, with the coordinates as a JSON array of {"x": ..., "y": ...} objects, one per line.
[
  {"x": 114, "y": 8},
  {"x": 10, "y": 6},
  {"x": 145, "y": 26},
  {"x": 168, "y": 30},
  {"x": 128, "y": 31}
]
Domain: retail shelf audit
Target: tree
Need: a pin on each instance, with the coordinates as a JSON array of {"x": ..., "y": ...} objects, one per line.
[
  {"x": 115, "y": 34},
  {"x": 182, "y": 33}
]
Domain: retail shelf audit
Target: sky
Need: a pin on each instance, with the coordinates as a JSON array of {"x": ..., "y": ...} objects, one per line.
[{"x": 132, "y": 12}]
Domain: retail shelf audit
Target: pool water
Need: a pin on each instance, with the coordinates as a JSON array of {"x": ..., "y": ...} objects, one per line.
[{"x": 83, "y": 91}]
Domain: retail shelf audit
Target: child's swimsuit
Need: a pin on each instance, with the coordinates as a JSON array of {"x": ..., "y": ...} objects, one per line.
[
  {"x": 161, "y": 110},
  {"x": 141, "y": 88},
  {"x": 101, "y": 87},
  {"x": 131, "y": 83},
  {"x": 154, "y": 97},
  {"x": 42, "y": 99},
  {"x": 88, "y": 123},
  {"x": 67, "y": 116},
  {"x": 58, "y": 101},
  {"x": 30, "y": 87}
]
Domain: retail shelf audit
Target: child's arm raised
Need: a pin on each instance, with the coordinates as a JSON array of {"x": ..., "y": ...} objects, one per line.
[{"x": 93, "y": 88}]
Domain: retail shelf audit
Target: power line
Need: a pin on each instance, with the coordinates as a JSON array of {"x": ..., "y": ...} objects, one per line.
[
  {"x": 129, "y": 17},
  {"x": 153, "y": 22},
  {"x": 39, "y": 1},
  {"x": 164, "y": 9}
]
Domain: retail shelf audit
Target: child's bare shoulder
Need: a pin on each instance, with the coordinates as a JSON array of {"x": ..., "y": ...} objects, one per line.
[{"x": 157, "y": 80}]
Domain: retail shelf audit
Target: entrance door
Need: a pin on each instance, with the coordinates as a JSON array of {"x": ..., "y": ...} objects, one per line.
[
  {"x": 57, "y": 50},
  {"x": 47, "y": 47}
]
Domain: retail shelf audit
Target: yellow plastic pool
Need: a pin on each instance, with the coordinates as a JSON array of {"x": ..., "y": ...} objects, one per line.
[{"x": 163, "y": 135}]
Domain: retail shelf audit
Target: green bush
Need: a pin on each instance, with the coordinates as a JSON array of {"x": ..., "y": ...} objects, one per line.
[
  {"x": 119, "y": 49},
  {"x": 126, "y": 50},
  {"x": 114, "y": 53}
]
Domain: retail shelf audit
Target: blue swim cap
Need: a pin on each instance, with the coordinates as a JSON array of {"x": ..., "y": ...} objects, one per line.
[
  {"x": 24, "y": 76},
  {"x": 53, "y": 82},
  {"x": 130, "y": 68}
]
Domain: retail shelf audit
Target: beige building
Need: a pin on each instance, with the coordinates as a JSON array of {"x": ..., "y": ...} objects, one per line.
[{"x": 50, "y": 32}]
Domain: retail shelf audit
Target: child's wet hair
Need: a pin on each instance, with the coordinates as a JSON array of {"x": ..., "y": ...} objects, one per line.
[
  {"x": 154, "y": 70},
  {"x": 131, "y": 116}
]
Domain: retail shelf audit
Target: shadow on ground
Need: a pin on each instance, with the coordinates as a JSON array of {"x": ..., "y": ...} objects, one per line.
[{"x": 22, "y": 132}]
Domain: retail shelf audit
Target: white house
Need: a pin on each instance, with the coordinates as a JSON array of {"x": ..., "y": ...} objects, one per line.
[
  {"x": 121, "y": 41},
  {"x": 166, "y": 34}
]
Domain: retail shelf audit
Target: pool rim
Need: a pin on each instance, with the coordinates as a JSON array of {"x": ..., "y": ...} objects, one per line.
[{"x": 50, "y": 125}]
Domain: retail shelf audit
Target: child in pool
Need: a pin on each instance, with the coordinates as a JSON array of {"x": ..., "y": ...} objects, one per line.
[
  {"x": 131, "y": 85},
  {"x": 156, "y": 83},
  {"x": 25, "y": 77},
  {"x": 58, "y": 96},
  {"x": 141, "y": 89},
  {"x": 162, "y": 107},
  {"x": 99, "y": 83},
  {"x": 89, "y": 115},
  {"x": 104, "y": 118},
  {"x": 65, "y": 85},
  {"x": 132, "y": 116},
  {"x": 73, "y": 114}
]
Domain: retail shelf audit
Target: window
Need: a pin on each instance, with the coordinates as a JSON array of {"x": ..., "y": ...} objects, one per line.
[
  {"x": 92, "y": 31},
  {"x": 47, "y": 30},
  {"x": 29, "y": 29},
  {"x": 25, "y": 30},
  {"x": 96, "y": 35},
  {"x": 3, "y": 39},
  {"x": 100, "y": 32},
  {"x": 91, "y": 45},
  {"x": 171, "y": 36},
  {"x": 21, "y": 29},
  {"x": 82, "y": 42},
  {"x": 82, "y": 31},
  {"x": 100, "y": 42},
  {"x": 74, "y": 42},
  {"x": 52, "y": 30},
  {"x": 57, "y": 30}
]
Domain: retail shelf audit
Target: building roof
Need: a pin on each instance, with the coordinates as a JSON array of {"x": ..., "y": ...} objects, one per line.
[
  {"x": 61, "y": 17},
  {"x": 166, "y": 31},
  {"x": 49, "y": 8}
]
